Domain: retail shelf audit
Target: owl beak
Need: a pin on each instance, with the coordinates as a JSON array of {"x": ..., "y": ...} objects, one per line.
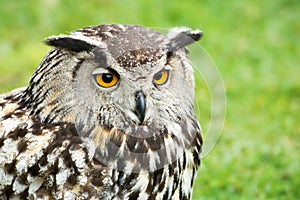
[{"x": 140, "y": 108}]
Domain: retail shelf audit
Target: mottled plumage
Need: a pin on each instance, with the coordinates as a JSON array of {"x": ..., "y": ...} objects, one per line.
[{"x": 108, "y": 114}]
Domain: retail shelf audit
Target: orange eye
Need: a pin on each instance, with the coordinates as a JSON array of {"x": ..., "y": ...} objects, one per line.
[
  {"x": 161, "y": 77},
  {"x": 107, "y": 80}
]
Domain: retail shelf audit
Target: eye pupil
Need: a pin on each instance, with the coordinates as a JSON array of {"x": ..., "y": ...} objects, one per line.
[
  {"x": 107, "y": 78},
  {"x": 158, "y": 76}
]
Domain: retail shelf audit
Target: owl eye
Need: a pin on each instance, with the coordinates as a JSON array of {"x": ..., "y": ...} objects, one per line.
[
  {"x": 161, "y": 77},
  {"x": 107, "y": 80}
]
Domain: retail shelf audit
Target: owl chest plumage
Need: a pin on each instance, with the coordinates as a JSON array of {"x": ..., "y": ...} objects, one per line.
[{"x": 43, "y": 161}]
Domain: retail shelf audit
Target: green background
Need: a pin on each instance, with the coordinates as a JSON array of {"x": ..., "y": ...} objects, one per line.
[{"x": 255, "y": 45}]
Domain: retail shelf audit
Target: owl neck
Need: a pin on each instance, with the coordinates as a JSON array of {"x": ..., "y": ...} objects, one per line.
[{"x": 49, "y": 95}]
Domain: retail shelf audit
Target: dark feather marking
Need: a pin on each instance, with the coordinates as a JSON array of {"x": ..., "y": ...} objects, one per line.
[
  {"x": 165, "y": 197},
  {"x": 22, "y": 145},
  {"x": 67, "y": 158},
  {"x": 1, "y": 142},
  {"x": 77, "y": 66},
  {"x": 54, "y": 170},
  {"x": 169, "y": 56},
  {"x": 121, "y": 177},
  {"x": 6, "y": 116},
  {"x": 193, "y": 178},
  {"x": 184, "y": 160},
  {"x": 72, "y": 179},
  {"x": 155, "y": 179},
  {"x": 173, "y": 173},
  {"x": 43, "y": 160},
  {"x": 128, "y": 180},
  {"x": 196, "y": 158},
  {"x": 10, "y": 167},
  {"x": 183, "y": 39},
  {"x": 20, "y": 131},
  {"x": 97, "y": 177},
  {"x": 179, "y": 167},
  {"x": 22, "y": 179},
  {"x": 43, "y": 192},
  {"x": 171, "y": 169},
  {"x": 134, "y": 195},
  {"x": 75, "y": 140},
  {"x": 155, "y": 142},
  {"x": 87, "y": 160},
  {"x": 37, "y": 128},
  {"x": 8, "y": 191},
  {"x": 69, "y": 43},
  {"x": 162, "y": 185},
  {"x": 2, "y": 104},
  {"x": 34, "y": 170},
  {"x": 131, "y": 142},
  {"x": 24, "y": 194},
  {"x": 136, "y": 145}
]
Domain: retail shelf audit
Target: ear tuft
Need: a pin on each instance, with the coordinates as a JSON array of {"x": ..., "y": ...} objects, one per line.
[
  {"x": 70, "y": 43},
  {"x": 181, "y": 37}
]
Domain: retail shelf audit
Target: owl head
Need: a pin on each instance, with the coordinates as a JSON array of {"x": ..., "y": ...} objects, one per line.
[{"x": 128, "y": 90}]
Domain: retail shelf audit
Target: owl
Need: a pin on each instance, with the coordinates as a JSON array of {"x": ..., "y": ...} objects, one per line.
[{"x": 108, "y": 114}]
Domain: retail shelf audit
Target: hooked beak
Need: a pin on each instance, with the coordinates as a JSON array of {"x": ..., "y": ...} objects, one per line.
[{"x": 140, "y": 108}]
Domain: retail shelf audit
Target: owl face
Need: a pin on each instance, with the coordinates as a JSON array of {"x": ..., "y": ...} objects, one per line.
[
  {"x": 151, "y": 92},
  {"x": 129, "y": 90}
]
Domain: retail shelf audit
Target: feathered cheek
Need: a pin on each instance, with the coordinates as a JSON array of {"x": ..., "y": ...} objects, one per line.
[
  {"x": 105, "y": 117},
  {"x": 174, "y": 114}
]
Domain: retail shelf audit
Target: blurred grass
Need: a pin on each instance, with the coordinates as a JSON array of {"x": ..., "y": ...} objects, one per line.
[{"x": 254, "y": 43}]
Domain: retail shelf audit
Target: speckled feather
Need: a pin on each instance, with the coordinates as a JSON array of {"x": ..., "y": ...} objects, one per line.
[{"x": 56, "y": 145}]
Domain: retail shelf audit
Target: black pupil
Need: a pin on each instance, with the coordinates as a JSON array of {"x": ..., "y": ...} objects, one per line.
[
  {"x": 158, "y": 75},
  {"x": 107, "y": 78}
]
